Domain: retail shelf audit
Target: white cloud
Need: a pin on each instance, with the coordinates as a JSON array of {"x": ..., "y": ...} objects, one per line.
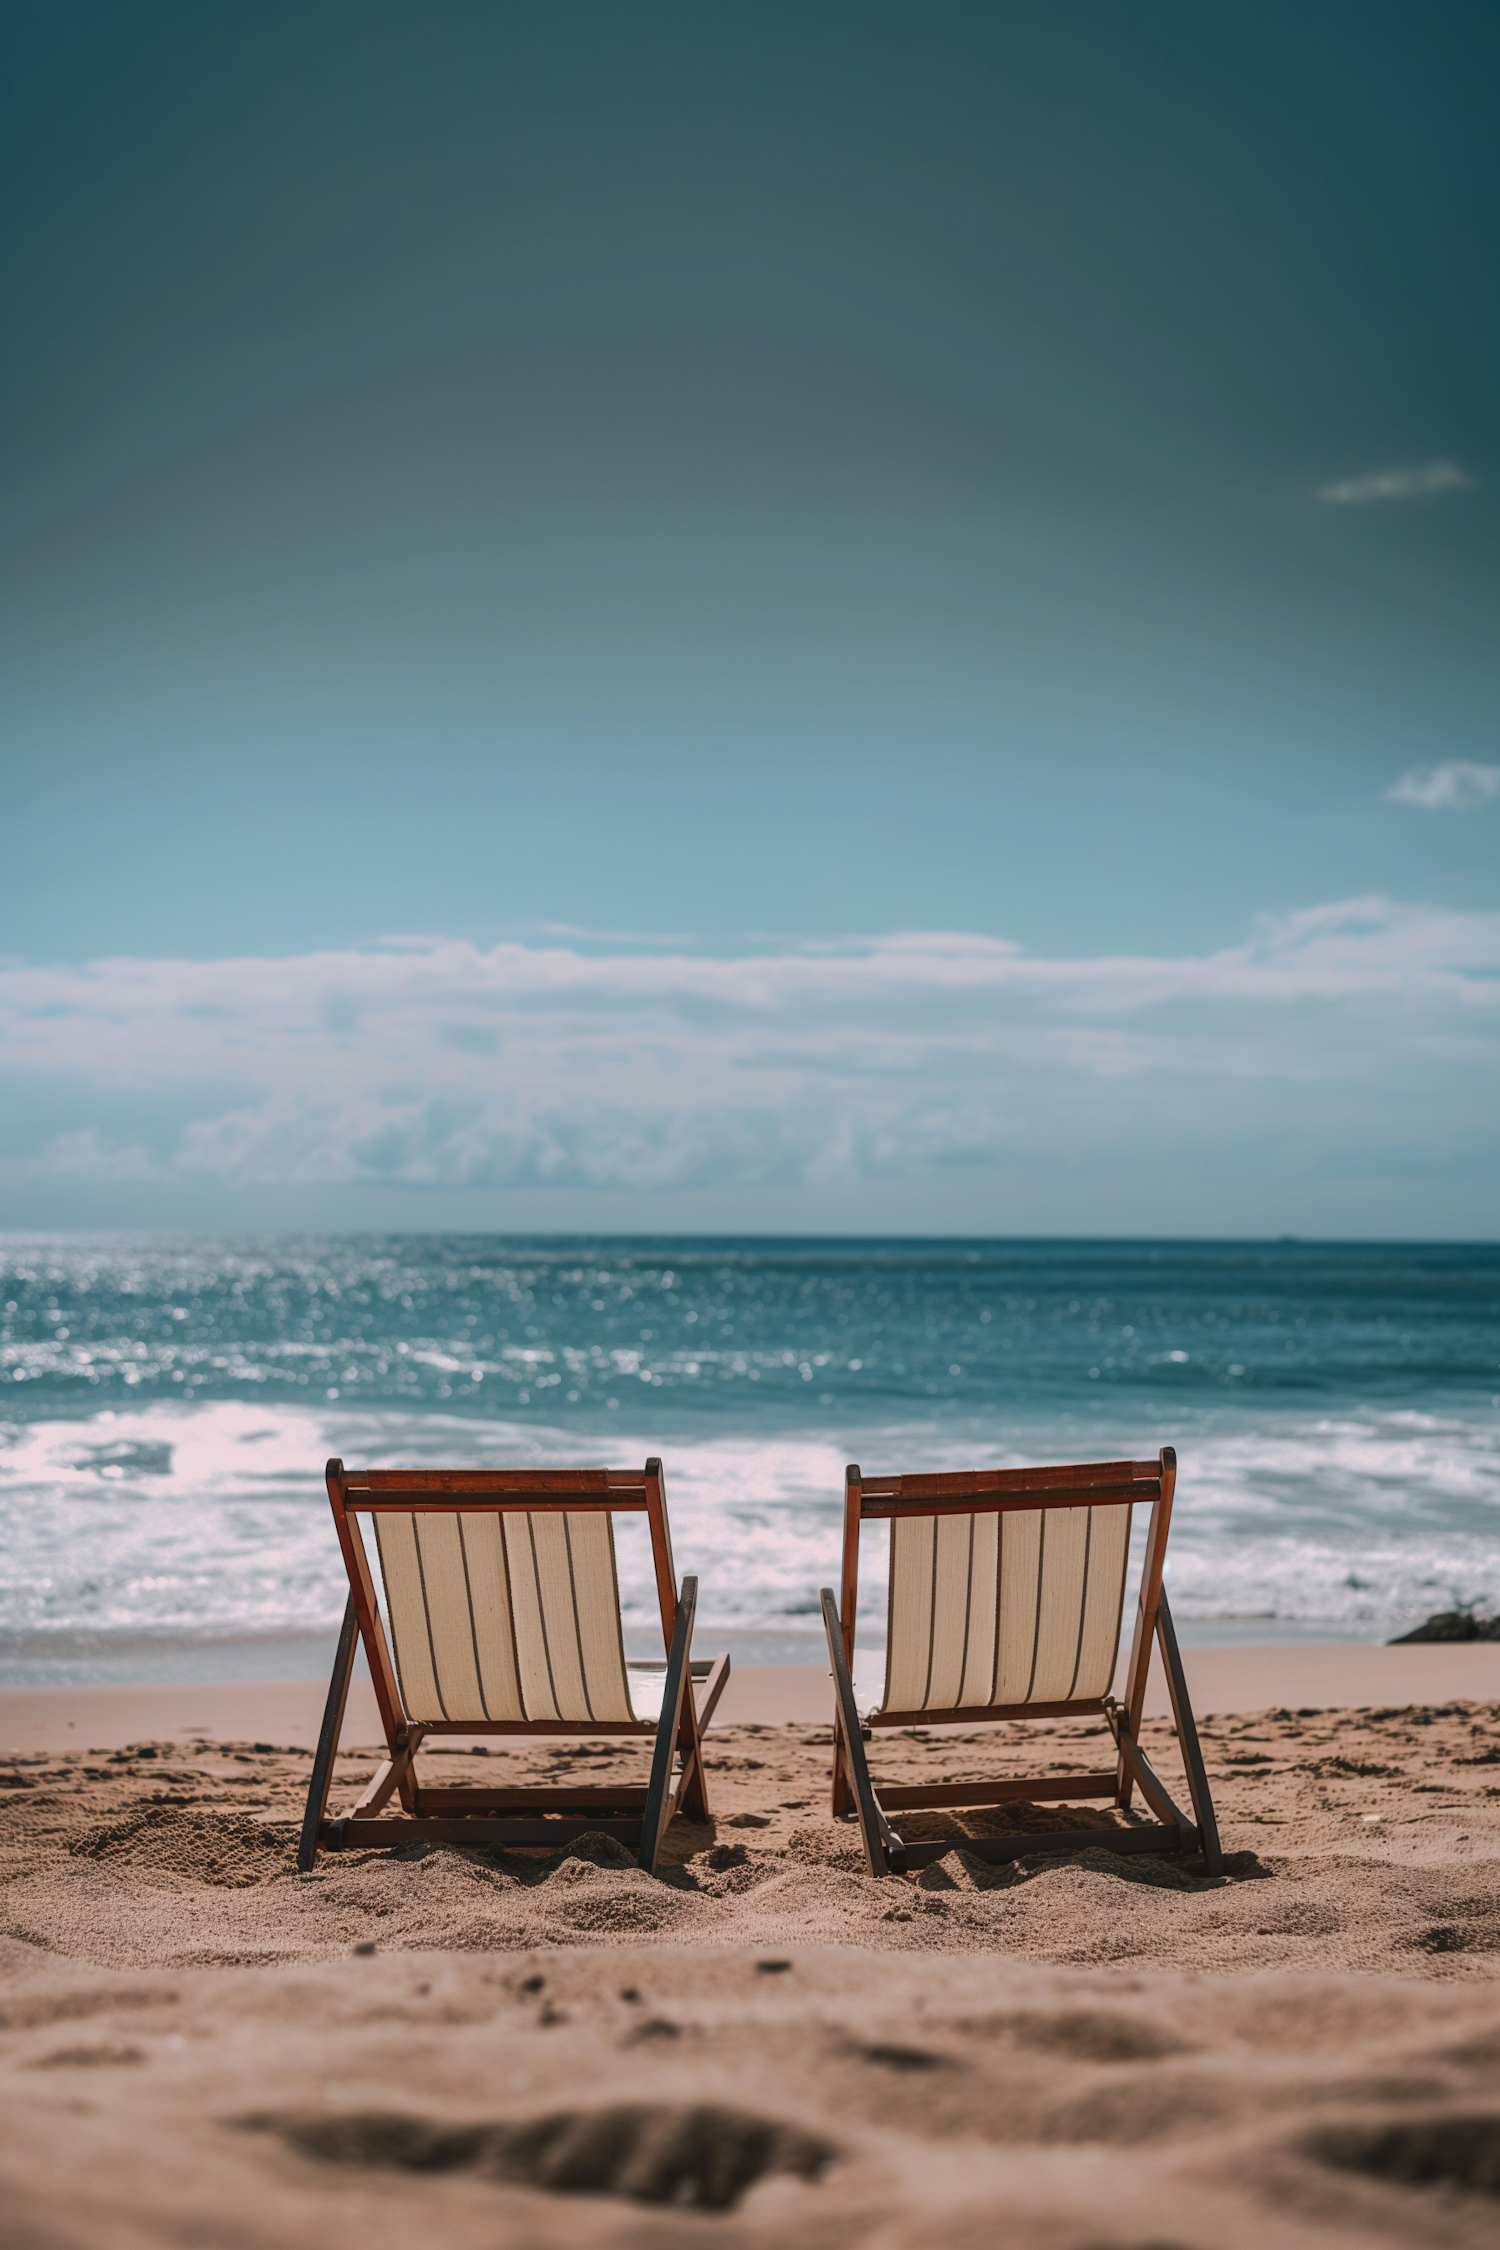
[
  {"x": 1455, "y": 786},
  {"x": 878, "y": 1059},
  {"x": 1396, "y": 484}
]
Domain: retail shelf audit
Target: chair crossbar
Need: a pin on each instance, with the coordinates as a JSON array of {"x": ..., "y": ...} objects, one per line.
[
  {"x": 493, "y": 1503},
  {"x": 565, "y": 1729},
  {"x": 976, "y": 1714},
  {"x": 906, "y": 1859},
  {"x": 1067, "y": 1477},
  {"x": 626, "y": 1796},
  {"x": 1035, "y": 1789},
  {"x": 1002, "y": 1503},
  {"x": 543, "y": 1835},
  {"x": 551, "y": 1481}
]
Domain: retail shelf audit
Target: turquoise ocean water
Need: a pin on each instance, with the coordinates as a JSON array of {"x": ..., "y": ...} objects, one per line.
[{"x": 166, "y": 1406}]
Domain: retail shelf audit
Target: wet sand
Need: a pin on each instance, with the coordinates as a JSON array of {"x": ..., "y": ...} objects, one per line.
[{"x": 289, "y": 1711}]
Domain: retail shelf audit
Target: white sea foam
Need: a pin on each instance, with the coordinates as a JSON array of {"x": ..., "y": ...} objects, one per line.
[
  {"x": 214, "y": 1518},
  {"x": 1365, "y": 1521},
  {"x": 210, "y": 1520}
]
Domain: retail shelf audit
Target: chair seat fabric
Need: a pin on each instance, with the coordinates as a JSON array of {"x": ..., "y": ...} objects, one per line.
[{"x": 647, "y": 1684}]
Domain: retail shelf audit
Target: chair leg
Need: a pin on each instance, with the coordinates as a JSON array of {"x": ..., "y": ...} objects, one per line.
[
  {"x": 849, "y": 1746},
  {"x": 387, "y": 1779},
  {"x": 1139, "y": 1765},
  {"x": 842, "y": 1801},
  {"x": 692, "y": 1788},
  {"x": 713, "y": 1688},
  {"x": 660, "y": 1804},
  {"x": 328, "y": 1739},
  {"x": 691, "y": 1795},
  {"x": 1187, "y": 1741}
]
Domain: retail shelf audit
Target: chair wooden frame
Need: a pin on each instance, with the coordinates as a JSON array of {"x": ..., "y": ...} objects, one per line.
[
  {"x": 982, "y": 1492},
  {"x": 532, "y": 1816}
]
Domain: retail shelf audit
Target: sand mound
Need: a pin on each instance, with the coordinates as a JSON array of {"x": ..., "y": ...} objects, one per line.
[
  {"x": 164, "y": 1846},
  {"x": 1355, "y": 1841},
  {"x": 1362, "y": 1841},
  {"x": 649, "y": 2152},
  {"x": 1462, "y": 2152}
]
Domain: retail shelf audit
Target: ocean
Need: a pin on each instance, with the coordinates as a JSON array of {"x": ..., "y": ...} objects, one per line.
[{"x": 167, "y": 1404}]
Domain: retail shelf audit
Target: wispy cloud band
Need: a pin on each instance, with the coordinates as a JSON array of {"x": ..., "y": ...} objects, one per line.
[
  {"x": 433, "y": 1063},
  {"x": 1396, "y": 484},
  {"x": 1457, "y": 785}
]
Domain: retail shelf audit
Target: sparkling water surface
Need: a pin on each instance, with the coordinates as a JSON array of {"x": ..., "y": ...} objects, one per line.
[{"x": 166, "y": 1406}]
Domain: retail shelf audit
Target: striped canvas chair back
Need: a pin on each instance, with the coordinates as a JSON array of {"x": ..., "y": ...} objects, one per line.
[
  {"x": 1005, "y": 1608},
  {"x": 510, "y": 1616},
  {"x": 1007, "y": 1586},
  {"x": 490, "y": 1600}
]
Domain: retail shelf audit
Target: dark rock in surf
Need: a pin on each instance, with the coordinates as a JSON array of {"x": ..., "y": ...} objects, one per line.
[{"x": 1452, "y": 1625}]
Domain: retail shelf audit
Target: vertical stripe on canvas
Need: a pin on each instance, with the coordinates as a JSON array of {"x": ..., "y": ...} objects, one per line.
[
  {"x": 1083, "y": 1602},
  {"x": 1036, "y": 1626},
  {"x": 406, "y": 1612},
  {"x": 416, "y": 1532},
  {"x": 977, "y": 1683},
  {"x": 952, "y": 1602},
  {"x": 553, "y": 1712},
  {"x": 1058, "y": 1608},
  {"x": 463, "y": 1549},
  {"x": 908, "y": 1654},
  {"x": 488, "y": 1592},
  {"x": 601, "y": 1642},
  {"x": 1015, "y": 1631},
  {"x": 1104, "y": 1604},
  {"x": 583, "y": 1670}
]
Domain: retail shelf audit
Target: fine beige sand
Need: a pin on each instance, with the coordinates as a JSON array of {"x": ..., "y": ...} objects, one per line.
[{"x": 763, "y": 2043}]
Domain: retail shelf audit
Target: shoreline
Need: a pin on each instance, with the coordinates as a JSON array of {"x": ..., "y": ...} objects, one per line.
[{"x": 1335, "y": 1676}]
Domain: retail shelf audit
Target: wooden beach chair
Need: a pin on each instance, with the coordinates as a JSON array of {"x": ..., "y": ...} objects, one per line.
[
  {"x": 1006, "y": 1593},
  {"x": 488, "y": 1604}
]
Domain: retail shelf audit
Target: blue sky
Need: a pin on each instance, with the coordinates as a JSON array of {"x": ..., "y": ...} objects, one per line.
[{"x": 894, "y": 607}]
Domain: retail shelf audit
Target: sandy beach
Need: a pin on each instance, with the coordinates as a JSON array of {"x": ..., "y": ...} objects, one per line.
[{"x": 763, "y": 2042}]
